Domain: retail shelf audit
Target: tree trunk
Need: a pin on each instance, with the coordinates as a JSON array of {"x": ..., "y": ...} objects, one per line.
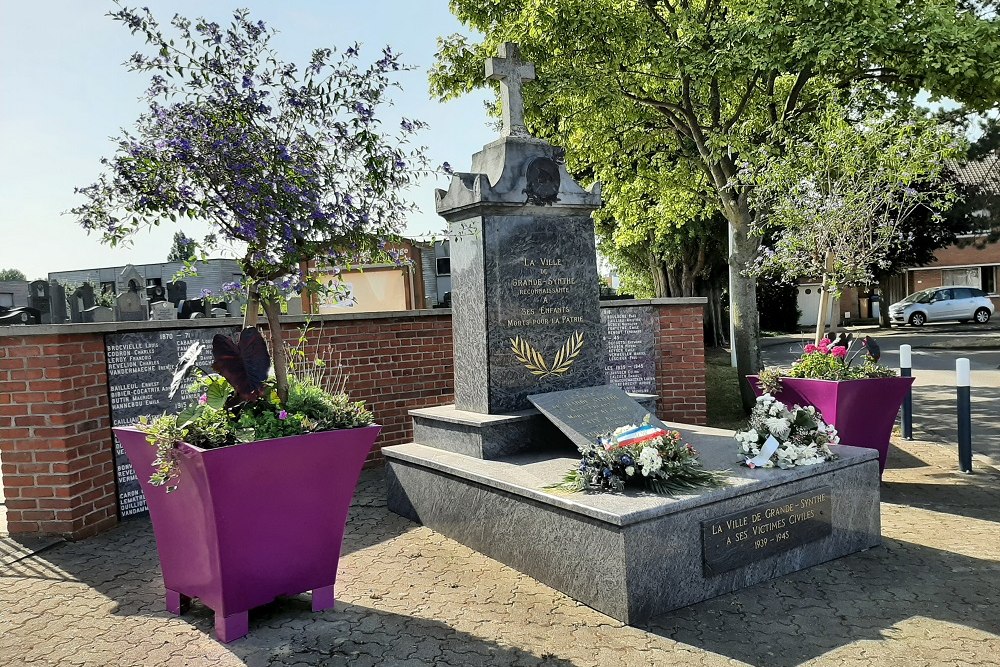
[
  {"x": 743, "y": 303},
  {"x": 272, "y": 309},
  {"x": 672, "y": 282},
  {"x": 883, "y": 302},
  {"x": 250, "y": 316},
  {"x": 825, "y": 296},
  {"x": 660, "y": 288}
]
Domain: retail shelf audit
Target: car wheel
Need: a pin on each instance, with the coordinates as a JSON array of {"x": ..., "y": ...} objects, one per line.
[
  {"x": 982, "y": 315},
  {"x": 918, "y": 319}
]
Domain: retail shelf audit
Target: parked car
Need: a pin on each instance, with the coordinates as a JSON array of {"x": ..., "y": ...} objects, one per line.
[{"x": 936, "y": 304}]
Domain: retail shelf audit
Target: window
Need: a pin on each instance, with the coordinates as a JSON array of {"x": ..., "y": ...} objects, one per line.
[
  {"x": 444, "y": 266},
  {"x": 968, "y": 276},
  {"x": 963, "y": 293},
  {"x": 989, "y": 279}
]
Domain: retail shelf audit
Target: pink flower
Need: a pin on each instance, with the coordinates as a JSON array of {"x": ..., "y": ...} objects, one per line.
[
  {"x": 203, "y": 399},
  {"x": 839, "y": 351},
  {"x": 809, "y": 348},
  {"x": 283, "y": 414}
]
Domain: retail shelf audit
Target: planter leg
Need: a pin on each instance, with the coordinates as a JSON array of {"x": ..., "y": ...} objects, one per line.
[
  {"x": 322, "y": 598},
  {"x": 230, "y": 628},
  {"x": 177, "y": 603}
]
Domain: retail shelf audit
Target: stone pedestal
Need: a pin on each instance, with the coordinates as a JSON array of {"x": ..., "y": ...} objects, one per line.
[{"x": 635, "y": 555}]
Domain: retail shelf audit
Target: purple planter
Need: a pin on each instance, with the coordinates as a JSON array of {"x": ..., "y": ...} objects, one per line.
[
  {"x": 863, "y": 411},
  {"x": 250, "y": 522}
]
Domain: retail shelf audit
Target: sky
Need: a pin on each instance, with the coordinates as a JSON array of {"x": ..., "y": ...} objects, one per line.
[{"x": 64, "y": 94}]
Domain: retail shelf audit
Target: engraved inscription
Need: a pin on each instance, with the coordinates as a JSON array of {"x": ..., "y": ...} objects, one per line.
[
  {"x": 629, "y": 337},
  {"x": 737, "y": 539}
]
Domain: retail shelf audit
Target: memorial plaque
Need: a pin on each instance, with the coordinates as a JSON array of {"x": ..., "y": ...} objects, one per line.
[
  {"x": 753, "y": 534},
  {"x": 140, "y": 367},
  {"x": 584, "y": 414},
  {"x": 630, "y": 340}
]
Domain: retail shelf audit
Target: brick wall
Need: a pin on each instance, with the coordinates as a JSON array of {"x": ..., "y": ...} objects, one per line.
[
  {"x": 969, "y": 255},
  {"x": 680, "y": 367},
  {"x": 55, "y": 438},
  {"x": 54, "y": 435}
]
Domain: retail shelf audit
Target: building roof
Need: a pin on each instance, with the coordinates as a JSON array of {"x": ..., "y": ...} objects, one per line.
[{"x": 984, "y": 172}]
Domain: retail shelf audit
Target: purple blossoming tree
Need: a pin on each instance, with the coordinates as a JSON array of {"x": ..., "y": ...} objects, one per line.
[{"x": 288, "y": 165}]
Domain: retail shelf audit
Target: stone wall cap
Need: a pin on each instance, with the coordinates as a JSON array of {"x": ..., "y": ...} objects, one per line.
[
  {"x": 27, "y": 330},
  {"x": 662, "y": 301}
]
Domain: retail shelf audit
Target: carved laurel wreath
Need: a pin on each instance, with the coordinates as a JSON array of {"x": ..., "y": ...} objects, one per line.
[{"x": 535, "y": 362}]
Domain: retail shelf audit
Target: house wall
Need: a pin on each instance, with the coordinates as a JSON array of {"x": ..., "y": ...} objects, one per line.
[{"x": 55, "y": 438}]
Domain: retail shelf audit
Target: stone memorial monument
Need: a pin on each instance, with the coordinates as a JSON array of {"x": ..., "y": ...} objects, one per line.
[
  {"x": 176, "y": 292},
  {"x": 97, "y": 314},
  {"x": 81, "y": 299},
  {"x": 39, "y": 298},
  {"x": 57, "y": 303},
  {"x": 129, "y": 307},
  {"x": 527, "y": 331},
  {"x": 162, "y": 310}
]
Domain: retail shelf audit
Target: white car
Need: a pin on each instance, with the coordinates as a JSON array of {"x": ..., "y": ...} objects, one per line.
[{"x": 956, "y": 302}]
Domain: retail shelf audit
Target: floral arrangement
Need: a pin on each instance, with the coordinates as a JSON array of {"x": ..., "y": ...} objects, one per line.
[
  {"x": 639, "y": 455},
  {"x": 783, "y": 437},
  {"x": 830, "y": 360},
  {"x": 239, "y": 403}
]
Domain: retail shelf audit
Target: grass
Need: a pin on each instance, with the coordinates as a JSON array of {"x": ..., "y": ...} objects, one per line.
[{"x": 722, "y": 391}]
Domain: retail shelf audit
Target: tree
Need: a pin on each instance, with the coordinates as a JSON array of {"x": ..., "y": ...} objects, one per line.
[
  {"x": 292, "y": 165},
  {"x": 839, "y": 201},
  {"x": 12, "y": 274},
  {"x": 707, "y": 80},
  {"x": 183, "y": 249}
]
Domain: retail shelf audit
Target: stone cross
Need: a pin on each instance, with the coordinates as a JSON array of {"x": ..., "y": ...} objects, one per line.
[{"x": 511, "y": 71}]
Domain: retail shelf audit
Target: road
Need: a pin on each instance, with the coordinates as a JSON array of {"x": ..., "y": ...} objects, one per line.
[{"x": 935, "y": 351}]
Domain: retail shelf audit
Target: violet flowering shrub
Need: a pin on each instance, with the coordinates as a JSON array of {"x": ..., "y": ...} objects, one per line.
[
  {"x": 288, "y": 164},
  {"x": 830, "y": 360}
]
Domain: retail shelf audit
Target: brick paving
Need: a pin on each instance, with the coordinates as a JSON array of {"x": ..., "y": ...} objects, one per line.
[{"x": 930, "y": 595}]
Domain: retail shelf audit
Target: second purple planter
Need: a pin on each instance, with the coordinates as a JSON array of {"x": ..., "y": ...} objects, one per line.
[{"x": 863, "y": 411}]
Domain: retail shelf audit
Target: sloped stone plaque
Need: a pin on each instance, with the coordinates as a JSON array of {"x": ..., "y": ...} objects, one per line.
[{"x": 586, "y": 413}]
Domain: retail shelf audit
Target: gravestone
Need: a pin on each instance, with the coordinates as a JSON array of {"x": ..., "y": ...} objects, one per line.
[
  {"x": 39, "y": 298},
  {"x": 140, "y": 367},
  {"x": 130, "y": 280},
  {"x": 129, "y": 307},
  {"x": 190, "y": 306},
  {"x": 81, "y": 299},
  {"x": 176, "y": 292},
  {"x": 155, "y": 293},
  {"x": 57, "y": 303},
  {"x": 525, "y": 291},
  {"x": 630, "y": 341},
  {"x": 97, "y": 314},
  {"x": 162, "y": 310}
]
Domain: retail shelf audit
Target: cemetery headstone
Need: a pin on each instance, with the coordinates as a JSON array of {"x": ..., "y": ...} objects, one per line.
[
  {"x": 155, "y": 293},
  {"x": 57, "y": 303},
  {"x": 140, "y": 367},
  {"x": 525, "y": 292},
  {"x": 162, "y": 310},
  {"x": 129, "y": 307},
  {"x": 39, "y": 299},
  {"x": 176, "y": 291},
  {"x": 584, "y": 414},
  {"x": 130, "y": 280},
  {"x": 219, "y": 312},
  {"x": 190, "y": 306},
  {"x": 81, "y": 299},
  {"x": 97, "y": 314},
  {"x": 629, "y": 337}
]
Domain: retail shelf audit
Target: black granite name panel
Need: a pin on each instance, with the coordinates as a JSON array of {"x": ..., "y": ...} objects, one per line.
[
  {"x": 543, "y": 312},
  {"x": 736, "y": 539},
  {"x": 584, "y": 414},
  {"x": 140, "y": 367},
  {"x": 630, "y": 340}
]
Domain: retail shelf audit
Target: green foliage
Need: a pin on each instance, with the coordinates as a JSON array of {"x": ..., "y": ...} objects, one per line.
[
  {"x": 218, "y": 419},
  {"x": 12, "y": 274},
  {"x": 845, "y": 190}
]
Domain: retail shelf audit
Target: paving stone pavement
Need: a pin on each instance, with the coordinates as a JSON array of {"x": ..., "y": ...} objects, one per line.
[{"x": 930, "y": 595}]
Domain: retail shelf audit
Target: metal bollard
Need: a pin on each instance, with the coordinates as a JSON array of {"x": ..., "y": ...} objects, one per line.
[
  {"x": 906, "y": 370},
  {"x": 964, "y": 383}
]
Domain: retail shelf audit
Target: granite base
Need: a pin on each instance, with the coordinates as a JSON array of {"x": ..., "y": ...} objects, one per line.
[
  {"x": 486, "y": 436},
  {"x": 632, "y": 555}
]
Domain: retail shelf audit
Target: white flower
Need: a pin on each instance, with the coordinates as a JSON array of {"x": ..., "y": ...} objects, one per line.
[
  {"x": 630, "y": 471},
  {"x": 779, "y": 428},
  {"x": 650, "y": 461}
]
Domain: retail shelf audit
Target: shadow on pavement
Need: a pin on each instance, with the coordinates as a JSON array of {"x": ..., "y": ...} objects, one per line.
[
  {"x": 868, "y": 594},
  {"x": 935, "y": 418}
]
